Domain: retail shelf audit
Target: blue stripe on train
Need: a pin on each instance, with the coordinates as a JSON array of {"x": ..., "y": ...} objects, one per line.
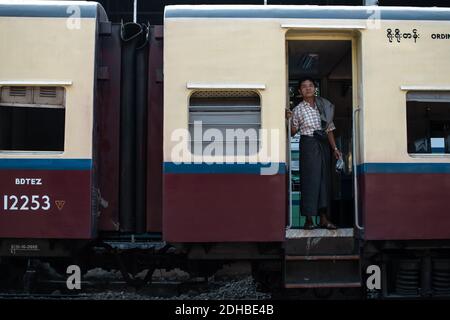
[
  {"x": 316, "y": 12},
  {"x": 46, "y": 164},
  {"x": 170, "y": 167},
  {"x": 56, "y": 10},
  {"x": 404, "y": 168},
  {"x": 245, "y": 168}
]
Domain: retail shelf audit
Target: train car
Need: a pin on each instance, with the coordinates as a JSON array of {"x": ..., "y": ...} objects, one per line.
[
  {"x": 391, "y": 113},
  {"x": 68, "y": 84},
  {"x": 106, "y": 150},
  {"x": 48, "y": 91}
]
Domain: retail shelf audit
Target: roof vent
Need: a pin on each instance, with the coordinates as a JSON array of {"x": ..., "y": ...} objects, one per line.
[
  {"x": 47, "y": 92},
  {"x": 17, "y": 91}
]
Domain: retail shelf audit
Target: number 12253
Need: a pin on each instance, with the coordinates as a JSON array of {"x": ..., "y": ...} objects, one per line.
[{"x": 24, "y": 203}]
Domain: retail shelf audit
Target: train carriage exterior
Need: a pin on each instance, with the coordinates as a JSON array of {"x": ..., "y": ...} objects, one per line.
[
  {"x": 104, "y": 153},
  {"x": 403, "y": 192},
  {"x": 48, "y": 92}
]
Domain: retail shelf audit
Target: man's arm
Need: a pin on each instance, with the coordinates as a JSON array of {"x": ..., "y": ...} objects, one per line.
[
  {"x": 293, "y": 126},
  {"x": 332, "y": 142},
  {"x": 293, "y": 129}
]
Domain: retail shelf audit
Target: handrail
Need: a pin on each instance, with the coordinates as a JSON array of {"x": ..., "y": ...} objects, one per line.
[
  {"x": 355, "y": 171},
  {"x": 323, "y": 26},
  {"x": 290, "y": 173},
  {"x": 243, "y": 86}
]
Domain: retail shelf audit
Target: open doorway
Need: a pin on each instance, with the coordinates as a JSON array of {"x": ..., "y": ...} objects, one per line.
[{"x": 329, "y": 63}]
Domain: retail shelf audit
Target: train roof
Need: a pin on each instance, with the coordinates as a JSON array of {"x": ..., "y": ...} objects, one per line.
[
  {"x": 305, "y": 12},
  {"x": 52, "y": 9}
]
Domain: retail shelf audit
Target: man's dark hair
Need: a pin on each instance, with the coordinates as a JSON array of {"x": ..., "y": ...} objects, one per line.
[{"x": 306, "y": 79}]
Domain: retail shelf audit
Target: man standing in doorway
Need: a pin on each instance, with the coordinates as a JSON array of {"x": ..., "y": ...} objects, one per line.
[{"x": 313, "y": 117}]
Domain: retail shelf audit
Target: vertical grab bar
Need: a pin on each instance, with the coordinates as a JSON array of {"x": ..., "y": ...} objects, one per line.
[
  {"x": 290, "y": 172},
  {"x": 355, "y": 176}
]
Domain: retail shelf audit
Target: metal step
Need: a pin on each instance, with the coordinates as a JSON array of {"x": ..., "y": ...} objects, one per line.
[
  {"x": 301, "y": 242},
  {"x": 322, "y": 271},
  {"x": 322, "y": 285},
  {"x": 331, "y": 257}
]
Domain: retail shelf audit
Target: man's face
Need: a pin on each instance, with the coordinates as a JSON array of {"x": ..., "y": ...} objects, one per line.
[{"x": 307, "y": 89}]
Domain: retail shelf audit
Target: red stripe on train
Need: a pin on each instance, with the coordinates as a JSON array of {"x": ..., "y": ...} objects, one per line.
[
  {"x": 224, "y": 207},
  {"x": 45, "y": 204}
]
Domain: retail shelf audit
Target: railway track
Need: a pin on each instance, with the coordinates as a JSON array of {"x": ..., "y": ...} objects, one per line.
[
  {"x": 157, "y": 290},
  {"x": 40, "y": 296}
]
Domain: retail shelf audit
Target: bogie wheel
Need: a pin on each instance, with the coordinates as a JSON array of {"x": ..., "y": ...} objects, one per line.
[
  {"x": 323, "y": 293},
  {"x": 12, "y": 272}
]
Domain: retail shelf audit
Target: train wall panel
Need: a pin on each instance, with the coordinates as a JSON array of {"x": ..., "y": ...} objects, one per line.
[
  {"x": 405, "y": 206},
  {"x": 384, "y": 107},
  {"x": 258, "y": 59},
  {"x": 46, "y": 203},
  {"x": 224, "y": 207},
  {"x": 45, "y": 50},
  {"x": 155, "y": 132},
  {"x": 109, "y": 124}
]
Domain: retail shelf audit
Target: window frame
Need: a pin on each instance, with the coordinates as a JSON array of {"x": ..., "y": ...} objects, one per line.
[
  {"x": 431, "y": 95},
  {"x": 224, "y": 142},
  {"x": 34, "y": 90}
]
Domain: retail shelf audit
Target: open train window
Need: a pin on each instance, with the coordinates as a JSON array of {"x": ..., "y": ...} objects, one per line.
[
  {"x": 32, "y": 118},
  {"x": 224, "y": 123},
  {"x": 428, "y": 122}
]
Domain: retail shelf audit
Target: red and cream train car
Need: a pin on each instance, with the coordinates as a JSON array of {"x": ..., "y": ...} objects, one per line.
[
  {"x": 48, "y": 148},
  {"x": 95, "y": 150}
]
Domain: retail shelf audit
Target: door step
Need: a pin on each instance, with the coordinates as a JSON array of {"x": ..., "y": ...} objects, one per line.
[
  {"x": 315, "y": 242},
  {"x": 331, "y": 257},
  {"x": 322, "y": 285},
  {"x": 321, "y": 258},
  {"x": 322, "y": 271},
  {"x": 302, "y": 233}
]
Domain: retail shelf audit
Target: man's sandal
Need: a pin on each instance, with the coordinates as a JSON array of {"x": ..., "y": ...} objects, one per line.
[
  {"x": 328, "y": 226},
  {"x": 309, "y": 226}
]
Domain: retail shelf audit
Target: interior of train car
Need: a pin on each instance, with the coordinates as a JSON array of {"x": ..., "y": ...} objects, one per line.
[
  {"x": 329, "y": 63},
  {"x": 32, "y": 119}
]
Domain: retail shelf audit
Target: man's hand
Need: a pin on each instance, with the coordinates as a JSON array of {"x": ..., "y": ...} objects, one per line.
[
  {"x": 337, "y": 154},
  {"x": 288, "y": 113}
]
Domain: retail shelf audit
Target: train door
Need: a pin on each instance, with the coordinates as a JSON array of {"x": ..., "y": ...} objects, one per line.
[
  {"x": 331, "y": 62},
  {"x": 321, "y": 258}
]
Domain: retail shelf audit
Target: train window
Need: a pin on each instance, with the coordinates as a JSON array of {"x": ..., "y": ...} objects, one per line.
[
  {"x": 428, "y": 122},
  {"x": 32, "y": 119},
  {"x": 224, "y": 123}
]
